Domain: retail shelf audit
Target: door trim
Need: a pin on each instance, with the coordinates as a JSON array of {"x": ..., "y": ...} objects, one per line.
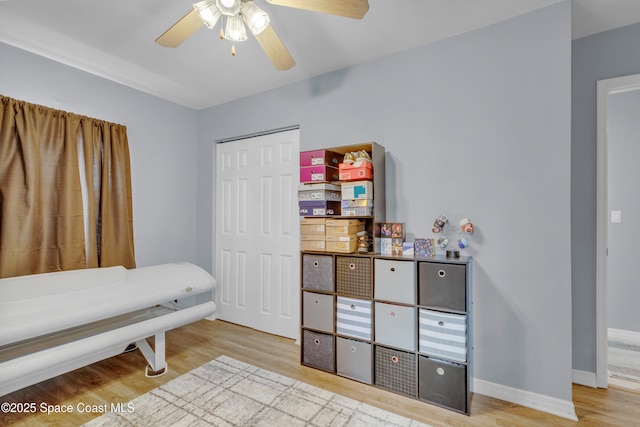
[{"x": 605, "y": 88}]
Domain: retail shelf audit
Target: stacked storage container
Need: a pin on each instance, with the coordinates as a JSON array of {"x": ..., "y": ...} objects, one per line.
[
  {"x": 316, "y": 195},
  {"x": 312, "y": 234},
  {"x": 357, "y": 198},
  {"x": 341, "y": 234}
]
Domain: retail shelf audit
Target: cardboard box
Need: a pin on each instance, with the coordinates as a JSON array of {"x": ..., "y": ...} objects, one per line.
[
  {"x": 341, "y": 238},
  {"x": 319, "y": 173},
  {"x": 357, "y": 203},
  {"x": 357, "y": 171},
  {"x": 357, "y": 190},
  {"x": 312, "y": 245},
  {"x": 307, "y": 221},
  {"x": 367, "y": 211},
  {"x": 312, "y": 237},
  {"x": 344, "y": 230},
  {"x": 333, "y": 222},
  {"x": 306, "y": 195},
  {"x": 312, "y": 229},
  {"x": 319, "y": 208},
  {"x": 320, "y": 157},
  {"x": 343, "y": 246}
]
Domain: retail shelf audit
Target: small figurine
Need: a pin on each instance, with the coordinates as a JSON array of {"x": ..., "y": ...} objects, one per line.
[{"x": 364, "y": 242}]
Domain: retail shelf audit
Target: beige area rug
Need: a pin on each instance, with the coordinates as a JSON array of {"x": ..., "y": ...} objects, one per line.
[{"x": 226, "y": 392}]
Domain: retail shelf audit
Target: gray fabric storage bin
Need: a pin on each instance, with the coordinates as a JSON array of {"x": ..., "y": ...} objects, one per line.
[
  {"x": 317, "y": 272},
  {"x": 353, "y": 359},
  {"x": 395, "y": 281},
  {"x": 353, "y": 317},
  {"x": 317, "y": 311},
  {"x": 443, "y": 335},
  {"x": 443, "y": 286},
  {"x": 395, "y": 370},
  {"x": 353, "y": 276},
  {"x": 395, "y": 325},
  {"x": 318, "y": 350},
  {"x": 443, "y": 383}
]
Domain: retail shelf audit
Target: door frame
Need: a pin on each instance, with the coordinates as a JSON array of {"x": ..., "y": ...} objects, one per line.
[
  {"x": 605, "y": 88},
  {"x": 216, "y": 217}
]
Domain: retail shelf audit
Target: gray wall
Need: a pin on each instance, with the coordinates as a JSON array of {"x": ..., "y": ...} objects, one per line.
[
  {"x": 477, "y": 125},
  {"x": 162, "y": 143},
  {"x": 601, "y": 56},
  {"x": 623, "y": 292}
]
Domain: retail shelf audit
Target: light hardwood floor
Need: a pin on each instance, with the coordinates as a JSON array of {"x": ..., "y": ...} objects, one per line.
[{"x": 121, "y": 378}]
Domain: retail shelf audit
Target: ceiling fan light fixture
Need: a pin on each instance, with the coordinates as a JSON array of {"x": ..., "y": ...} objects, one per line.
[
  {"x": 208, "y": 12},
  {"x": 229, "y": 7},
  {"x": 235, "y": 30},
  {"x": 256, "y": 19}
]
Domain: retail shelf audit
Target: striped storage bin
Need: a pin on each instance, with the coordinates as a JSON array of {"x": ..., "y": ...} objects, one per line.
[
  {"x": 353, "y": 276},
  {"x": 353, "y": 318},
  {"x": 395, "y": 370},
  {"x": 443, "y": 335}
]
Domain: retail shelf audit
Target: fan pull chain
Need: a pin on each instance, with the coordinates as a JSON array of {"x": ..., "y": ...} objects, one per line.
[{"x": 233, "y": 50}]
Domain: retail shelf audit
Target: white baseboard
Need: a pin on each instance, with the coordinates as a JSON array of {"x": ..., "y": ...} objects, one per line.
[
  {"x": 584, "y": 378},
  {"x": 630, "y": 337},
  {"x": 212, "y": 317},
  {"x": 540, "y": 402}
]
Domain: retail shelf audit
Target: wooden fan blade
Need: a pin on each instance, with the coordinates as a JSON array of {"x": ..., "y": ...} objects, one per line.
[
  {"x": 275, "y": 49},
  {"x": 181, "y": 30},
  {"x": 348, "y": 8}
]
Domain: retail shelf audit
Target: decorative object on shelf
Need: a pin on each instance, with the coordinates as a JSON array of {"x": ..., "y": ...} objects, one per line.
[
  {"x": 392, "y": 235},
  {"x": 356, "y": 156},
  {"x": 466, "y": 226},
  {"x": 396, "y": 246},
  {"x": 462, "y": 238},
  {"x": 439, "y": 223},
  {"x": 453, "y": 254},
  {"x": 462, "y": 243},
  {"x": 424, "y": 247},
  {"x": 365, "y": 244}
]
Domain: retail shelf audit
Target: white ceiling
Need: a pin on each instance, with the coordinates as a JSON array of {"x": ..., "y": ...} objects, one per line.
[{"x": 115, "y": 39}]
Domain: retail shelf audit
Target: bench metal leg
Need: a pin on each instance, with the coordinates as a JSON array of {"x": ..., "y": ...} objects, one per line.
[{"x": 157, "y": 365}]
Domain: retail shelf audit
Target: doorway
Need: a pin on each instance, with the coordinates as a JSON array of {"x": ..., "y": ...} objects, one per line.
[
  {"x": 617, "y": 324},
  {"x": 257, "y": 233}
]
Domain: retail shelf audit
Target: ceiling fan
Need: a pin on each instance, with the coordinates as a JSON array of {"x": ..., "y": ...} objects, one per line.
[{"x": 237, "y": 13}]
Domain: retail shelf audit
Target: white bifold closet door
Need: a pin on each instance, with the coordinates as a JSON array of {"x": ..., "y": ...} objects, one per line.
[{"x": 257, "y": 232}]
